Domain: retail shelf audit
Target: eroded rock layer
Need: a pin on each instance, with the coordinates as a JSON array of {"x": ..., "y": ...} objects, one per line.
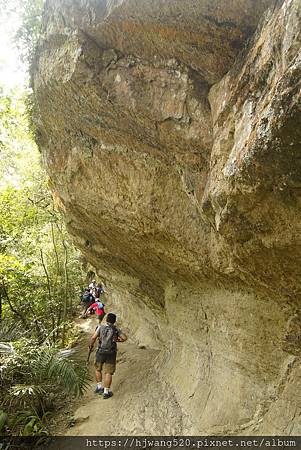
[{"x": 171, "y": 134}]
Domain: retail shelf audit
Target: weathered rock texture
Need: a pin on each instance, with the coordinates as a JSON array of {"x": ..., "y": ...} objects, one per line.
[{"x": 171, "y": 131}]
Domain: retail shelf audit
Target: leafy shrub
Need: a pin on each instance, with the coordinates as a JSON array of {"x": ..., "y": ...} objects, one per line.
[{"x": 32, "y": 378}]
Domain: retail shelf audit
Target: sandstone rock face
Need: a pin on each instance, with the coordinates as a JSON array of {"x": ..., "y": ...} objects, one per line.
[{"x": 171, "y": 134}]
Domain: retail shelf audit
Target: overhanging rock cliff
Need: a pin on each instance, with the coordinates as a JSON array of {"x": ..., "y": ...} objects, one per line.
[{"x": 171, "y": 134}]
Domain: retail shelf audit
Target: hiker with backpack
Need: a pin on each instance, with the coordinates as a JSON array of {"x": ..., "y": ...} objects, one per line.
[
  {"x": 87, "y": 300},
  {"x": 93, "y": 284},
  {"x": 96, "y": 289},
  {"x": 100, "y": 289},
  {"x": 105, "y": 359},
  {"x": 99, "y": 309}
]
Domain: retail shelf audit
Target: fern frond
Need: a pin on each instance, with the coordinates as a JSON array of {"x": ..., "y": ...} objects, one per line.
[
  {"x": 26, "y": 395},
  {"x": 73, "y": 378},
  {"x": 49, "y": 367}
]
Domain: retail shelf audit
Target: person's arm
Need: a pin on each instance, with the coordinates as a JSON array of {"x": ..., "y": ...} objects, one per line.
[
  {"x": 93, "y": 339},
  {"x": 122, "y": 337},
  {"x": 94, "y": 305},
  {"x": 88, "y": 310}
]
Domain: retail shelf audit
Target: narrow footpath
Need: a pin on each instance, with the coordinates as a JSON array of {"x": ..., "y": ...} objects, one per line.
[
  {"x": 97, "y": 416},
  {"x": 142, "y": 404}
]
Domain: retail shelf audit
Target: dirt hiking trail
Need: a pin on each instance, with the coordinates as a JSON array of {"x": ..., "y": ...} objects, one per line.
[{"x": 138, "y": 398}]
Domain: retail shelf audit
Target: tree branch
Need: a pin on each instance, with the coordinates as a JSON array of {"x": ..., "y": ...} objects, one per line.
[{"x": 15, "y": 311}]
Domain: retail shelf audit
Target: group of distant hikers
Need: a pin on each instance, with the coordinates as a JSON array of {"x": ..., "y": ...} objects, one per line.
[
  {"x": 91, "y": 301},
  {"x": 108, "y": 335}
]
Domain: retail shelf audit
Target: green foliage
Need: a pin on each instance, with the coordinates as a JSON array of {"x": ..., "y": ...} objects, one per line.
[
  {"x": 28, "y": 15},
  {"x": 32, "y": 425},
  {"x": 40, "y": 273},
  {"x": 68, "y": 374},
  {"x": 45, "y": 369},
  {"x": 24, "y": 423},
  {"x": 39, "y": 270},
  {"x": 22, "y": 395},
  {"x": 15, "y": 138},
  {"x": 40, "y": 277},
  {"x": 28, "y": 34},
  {"x": 42, "y": 375},
  {"x": 3, "y": 419}
]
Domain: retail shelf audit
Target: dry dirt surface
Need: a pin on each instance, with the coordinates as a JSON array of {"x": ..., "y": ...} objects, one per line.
[{"x": 135, "y": 377}]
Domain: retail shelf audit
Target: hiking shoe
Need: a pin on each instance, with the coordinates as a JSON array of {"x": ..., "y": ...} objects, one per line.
[
  {"x": 108, "y": 395},
  {"x": 99, "y": 390}
]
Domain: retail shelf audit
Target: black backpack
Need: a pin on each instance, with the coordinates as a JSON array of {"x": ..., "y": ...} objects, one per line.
[
  {"x": 86, "y": 298},
  {"x": 107, "y": 339}
]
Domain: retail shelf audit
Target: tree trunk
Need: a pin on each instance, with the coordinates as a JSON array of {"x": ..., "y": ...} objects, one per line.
[
  {"x": 49, "y": 289},
  {"x": 15, "y": 311},
  {"x": 66, "y": 286}
]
